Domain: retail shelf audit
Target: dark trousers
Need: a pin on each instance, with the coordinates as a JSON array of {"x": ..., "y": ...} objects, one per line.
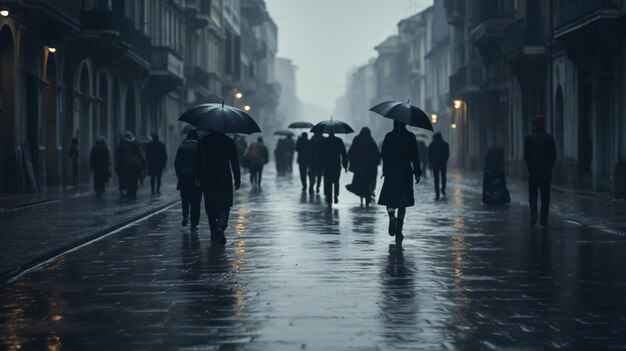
[
  {"x": 539, "y": 184},
  {"x": 331, "y": 185},
  {"x": 155, "y": 179},
  {"x": 190, "y": 196},
  {"x": 315, "y": 178},
  {"x": 75, "y": 172},
  {"x": 440, "y": 173},
  {"x": 256, "y": 175},
  {"x": 303, "y": 174},
  {"x": 218, "y": 217}
]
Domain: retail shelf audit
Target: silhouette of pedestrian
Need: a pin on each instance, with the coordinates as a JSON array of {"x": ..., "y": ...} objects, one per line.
[
  {"x": 333, "y": 158},
  {"x": 156, "y": 158},
  {"x": 290, "y": 150},
  {"x": 74, "y": 159},
  {"x": 217, "y": 167},
  {"x": 129, "y": 165},
  {"x": 423, "y": 150},
  {"x": 540, "y": 155},
  {"x": 185, "y": 167},
  {"x": 438, "y": 154},
  {"x": 401, "y": 162},
  {"x": 304, "y": 158},
  {"x": 495, "y": 191},
  {"x": 256, "y": 158},
  {"x": 242, "y": 146},
  {"x": 364, "y": 158},
  {"x": 100, "y": 165},
  {"x": 280, "y": 156},
  {"x": 316, "y": 145}
]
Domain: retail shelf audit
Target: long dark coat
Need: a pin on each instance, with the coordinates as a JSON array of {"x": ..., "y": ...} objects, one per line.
[
  {"x": 185, "y": 164},
  {"x": 100, "y": 165},
  {"x": 217, "y": 166},
  {"x": 364, "y": 159},
  {"x": 438, "y": 153},
  {"x": 130, "y": 164},
  {"x": 316, "y": 145},
  {"x": 539, "y": 153},
  {"x": 333, "y": 158},
  {"x": 401, "y": 161},
  {"x": 156, "y": 157},
  {"x": 304, "y": 155}
]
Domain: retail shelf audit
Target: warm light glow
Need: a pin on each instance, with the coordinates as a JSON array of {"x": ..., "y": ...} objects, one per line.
[
  {"x": 457, "y": 104},
  {"x": 52, "y": 50},
  {"x": 4, "y": 13},
  {"x": 433, "y": 118},
  {"x": 247, "y": 108},
  {"x": 453, "y": 126},
  {"x": 239, "y": 95}
]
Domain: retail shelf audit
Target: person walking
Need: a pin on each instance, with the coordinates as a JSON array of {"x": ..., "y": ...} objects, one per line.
[
  {"x": 364, "y": 158},
  {"x": 540, "y": 155},
  {"x": 280, "y": 156},
  {"x": 129, "y": 165},
  {"x": 256, "y": 158},
  {"x": 100, "y": 165},
  {"x": 74, "y": 159},
  {"x": 316, "y": 145},
  {"x": 290, "y": 150},
  {"x": 185, "y": 168},
  {"x": 156, "y": 158},
  {"x": 401, "y": 162},
  {"x": 217, "y": 167},
  {"x": 242, "y": 146},
  {"x": 438, "y": 155},
  {"x": 334, "y": 157},
  {"x": 302, "y": 147}
]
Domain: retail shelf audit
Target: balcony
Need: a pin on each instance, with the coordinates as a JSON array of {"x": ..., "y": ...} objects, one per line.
[
  {"x": 572, "y": 15},
  {"x": 166, "y": 69},
  {"x": 198, "y": 13},
  {"x": 465, "y": 81},
  {"x": 54, "y": 16},
  {"x": 112, "y": 32},
  {"x": 523, "y": 39},
  {"x": 205, "y": 84}
]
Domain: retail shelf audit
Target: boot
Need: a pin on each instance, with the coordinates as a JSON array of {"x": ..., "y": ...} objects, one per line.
[
  {"x": 184, "y": 222},
  {"x": 393, "y": 225},
  {"x": 399, "y": 235}
]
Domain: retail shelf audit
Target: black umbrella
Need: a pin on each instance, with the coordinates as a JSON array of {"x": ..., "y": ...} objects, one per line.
[
  {"x": 220, "y": 118},
  {"x": 283, "y": 133},
  {"x": 301, "y": 125},
  {"x": 405, "y": 113},
  {"x": 332, "y": 126},
  {"x": 143, "y": 139}
]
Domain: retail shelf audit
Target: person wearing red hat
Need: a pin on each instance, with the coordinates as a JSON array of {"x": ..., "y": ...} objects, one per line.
[{"x": 539, "y": 154}]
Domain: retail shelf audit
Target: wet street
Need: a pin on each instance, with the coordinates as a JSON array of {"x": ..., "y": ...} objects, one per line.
[{"x": 298, "y": 275}]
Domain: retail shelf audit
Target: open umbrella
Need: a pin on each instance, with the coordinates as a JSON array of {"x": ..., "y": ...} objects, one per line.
[
  {"x": 143, "y": 139},
  {"x": 332, "y": 126},
  {"x": 405, "y": 113},
  {"x": 301, "y": 125},
  {"x": 220, "y": 118},
  {"x": 283, "y": 133}
]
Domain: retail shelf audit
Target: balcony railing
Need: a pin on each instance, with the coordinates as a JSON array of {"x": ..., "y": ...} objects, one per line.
[
  {"x": 164, "y": 62},
  {"x": 567, "y": 11},
  {"x": 465, "y": 80},
  {"x": 118, "y": 23},
  {"x": 522, "y": 34}
]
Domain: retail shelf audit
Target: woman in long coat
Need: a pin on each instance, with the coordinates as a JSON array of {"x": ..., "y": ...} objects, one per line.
[
  {"x": 364, "y": 159},
  {"x": 130, "y": 165},
  {"x": 100, "y": 165},
  {"x": 217, "y": 166},
  {"x": 401, "y": 162}
]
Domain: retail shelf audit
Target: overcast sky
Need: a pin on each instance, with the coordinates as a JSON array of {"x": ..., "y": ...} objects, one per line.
[{"x": 327, "y": 38}]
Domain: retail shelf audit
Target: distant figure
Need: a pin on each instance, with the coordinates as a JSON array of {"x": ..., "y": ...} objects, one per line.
[
  {"x": 290, "y": 150},
  {"x": 438, "y": 155},
  {"x": 129, "y": 165},
  {"x": 74, "y": 158},
  {"x": 280, "y": 156},
  {"x": 540, "y": 155},
  {"x": 401, "y": 162},
  {"x": 364, "y": 158},
  {"x": 495, "y": 191},
  {"x": 100, "y": 165},
  {"x": 256, "y": 158},
  {"x": 185, "y": 167},
  {"x": 304, "y": 157},
  {"x": 217, "y": 167},
  {"x": 315, "y": 166},
  {"x": 423, "y": 150},
  {"x": 333, "y": 158},
  {"x": 156, "y": 158},
  {"x": 241, "y": 145}
]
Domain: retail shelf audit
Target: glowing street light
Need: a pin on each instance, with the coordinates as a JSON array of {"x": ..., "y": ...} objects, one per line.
[
  {"x": 239, "y": 95},
  {"x": 4, "y": 13},
  {"x": 453, "y": 125},
  {"x": 433, "y": 118},
  {"x": 247, "y": 108},
  {"x": 457, "y": 104},
  {"x": 52, "y": 50}
]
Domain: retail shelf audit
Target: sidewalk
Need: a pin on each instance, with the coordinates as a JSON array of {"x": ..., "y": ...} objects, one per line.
[
  {"x": 587, "y": 208},
  {"x": 34, "y": 233}
]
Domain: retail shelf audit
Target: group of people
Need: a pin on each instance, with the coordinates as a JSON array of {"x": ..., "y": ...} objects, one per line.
[
  {"x": 131, "y": 163},
  {"x": 283, "y": 155}
]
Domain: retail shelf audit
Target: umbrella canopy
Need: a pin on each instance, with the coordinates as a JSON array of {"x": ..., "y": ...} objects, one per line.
[
  {"x": 284, "y": 133},
  {"x": 405, "y": 113},
  {"x": 143, "y": 139},
  {"x": 332, "y": 126},
  {"x": 220, "y": 118},
  {"x": 301, "y": 125},
  {"x": 188, "y": 128}
]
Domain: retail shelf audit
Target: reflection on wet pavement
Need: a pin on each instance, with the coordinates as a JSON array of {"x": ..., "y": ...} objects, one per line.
[{"x": 298, "y": 275}]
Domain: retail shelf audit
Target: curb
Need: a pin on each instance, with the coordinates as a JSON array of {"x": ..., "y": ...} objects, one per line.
[{"x": 6, "y": 276}]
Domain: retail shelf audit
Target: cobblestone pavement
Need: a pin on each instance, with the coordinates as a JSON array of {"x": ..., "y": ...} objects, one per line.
[{"x": 297, "y": 275}]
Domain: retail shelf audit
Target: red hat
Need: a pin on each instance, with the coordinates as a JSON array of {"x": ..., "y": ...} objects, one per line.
[{"x": 539, "y": 121}]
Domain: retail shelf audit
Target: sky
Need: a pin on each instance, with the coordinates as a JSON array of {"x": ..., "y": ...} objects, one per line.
[{"x": 326, "y": 39}]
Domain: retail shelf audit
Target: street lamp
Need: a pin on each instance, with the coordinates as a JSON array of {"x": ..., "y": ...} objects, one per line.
[
  {"x": 52, "y": 50},
  {"x": 453, "y": 125},
  {"x": 247, "y": 108},
  {"x": 4, "y": 13},
  {"x": 433, "y": 118},
  {"x": 239, "y": 95},
  {"x": 457, "y": 104}
]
